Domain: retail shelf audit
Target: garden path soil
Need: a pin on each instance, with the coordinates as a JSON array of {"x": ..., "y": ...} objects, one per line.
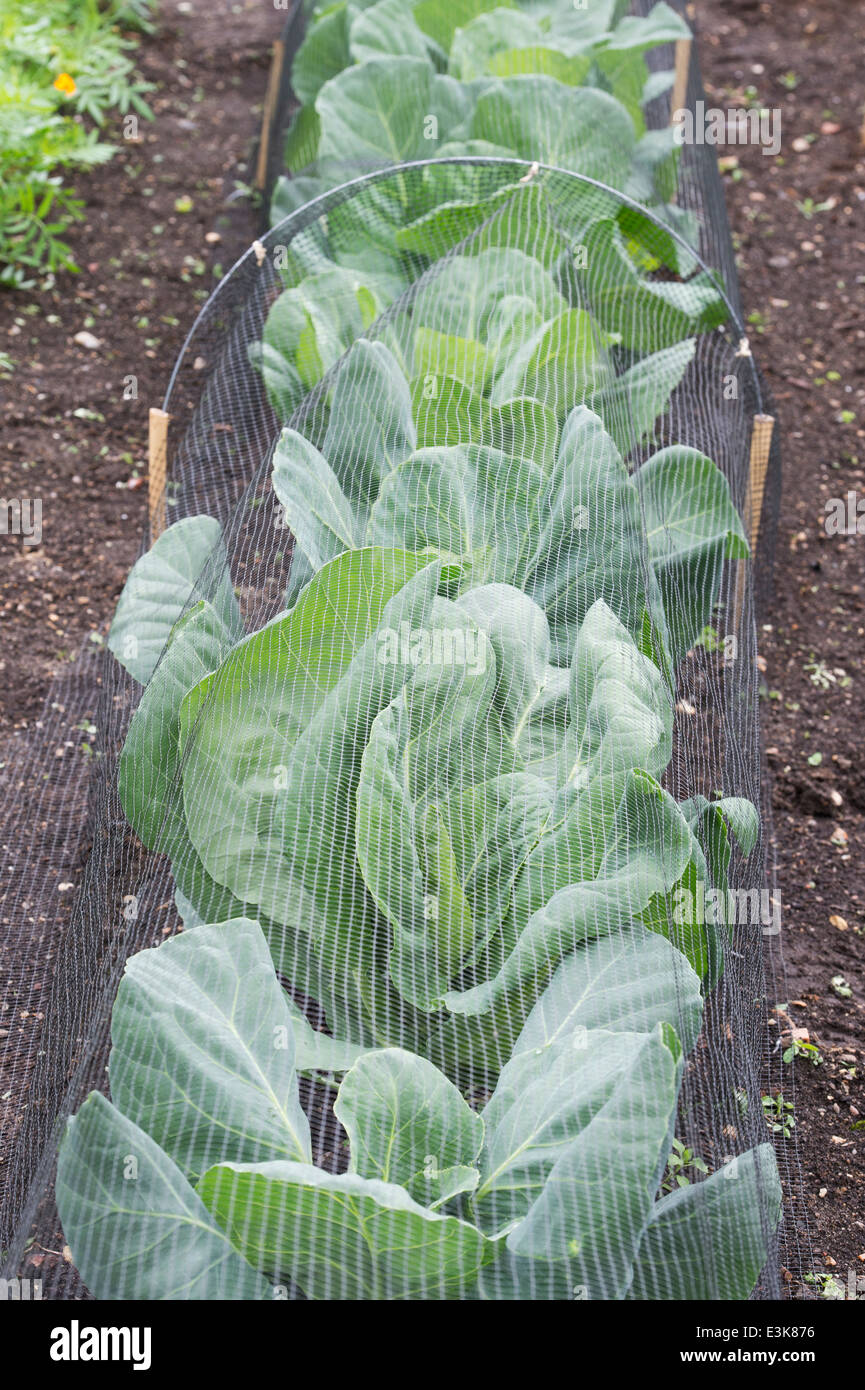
[{"x": 802, "y": 269}]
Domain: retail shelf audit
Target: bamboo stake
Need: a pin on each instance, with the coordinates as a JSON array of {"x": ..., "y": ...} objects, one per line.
[
  {"x": 157, "y": 453},
  {"x": 273, "y": 82},
  {"x": 761, "y": 446},
  {"x": 680, "y": 81}
]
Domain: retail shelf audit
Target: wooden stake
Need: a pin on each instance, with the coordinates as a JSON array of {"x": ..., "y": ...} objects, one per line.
[
  {"x": 271, "y": 95},
  {"x": 761, "y": 446},
  {"x": 157, "y": 452},
  {"x": 680, "y": 81}
]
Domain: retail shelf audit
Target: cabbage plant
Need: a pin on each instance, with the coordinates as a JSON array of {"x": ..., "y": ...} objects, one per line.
[
  {"x": 425, "y": 811},
  {"x": 548, "y": 1189}
]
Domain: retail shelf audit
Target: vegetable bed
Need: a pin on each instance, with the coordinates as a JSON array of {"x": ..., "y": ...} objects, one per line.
[{"x": 422, "y": 804}]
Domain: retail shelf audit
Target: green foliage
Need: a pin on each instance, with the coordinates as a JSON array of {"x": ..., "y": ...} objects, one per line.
[
  {"x": 440, "y": 1200},
  {"x": 799, "y": 1048},
  {"x": 479, "y": 781},
  {"x": 64, "y": 69},
  {"x": 564, "y": 522},
  {"x": 399, "y": 80},
  {"x": 681, "y": 1161},
  {"x": 570, "y": 84},
  {"x": 779, "y": 1113},
  {"x": 396, "y": 82}
]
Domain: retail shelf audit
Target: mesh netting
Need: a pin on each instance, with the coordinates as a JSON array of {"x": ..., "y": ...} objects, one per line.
[{"x": 424, "y": 888}]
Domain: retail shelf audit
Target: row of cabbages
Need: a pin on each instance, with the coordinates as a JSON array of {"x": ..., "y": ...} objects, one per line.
[
  {"x": 396, "y": 82},
  {"x": 417, "y": 821}
]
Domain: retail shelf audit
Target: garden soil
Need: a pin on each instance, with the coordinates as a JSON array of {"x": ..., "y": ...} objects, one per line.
[{"x": 803, "y": 272}]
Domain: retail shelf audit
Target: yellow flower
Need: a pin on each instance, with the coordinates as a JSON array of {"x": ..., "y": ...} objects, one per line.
[{"x": 65, "y": 84}]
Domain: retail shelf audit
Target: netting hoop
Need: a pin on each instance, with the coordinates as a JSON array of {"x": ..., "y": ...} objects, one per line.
[{"x": 319, "y": 206}]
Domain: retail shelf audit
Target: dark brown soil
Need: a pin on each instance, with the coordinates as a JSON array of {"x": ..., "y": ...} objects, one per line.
[{"x": 802, "y": 273}]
